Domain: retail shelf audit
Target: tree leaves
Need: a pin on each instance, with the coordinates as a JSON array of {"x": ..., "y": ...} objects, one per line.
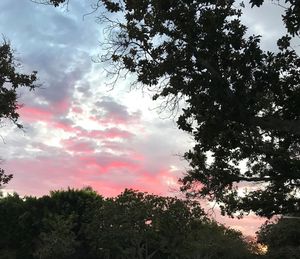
[
  {"x": 257, "y": 3},
  {"x": 239, "y": 98},
  {"x": 82, "y": 224},
  {"x": 281, "y": 237},
  {"x": 4, "y": 178},
  {"x": 10, "y": 81}
]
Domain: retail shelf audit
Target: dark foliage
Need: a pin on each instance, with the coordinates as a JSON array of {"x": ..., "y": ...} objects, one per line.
[
  {"x": 282, "y": 237},
  {"x": 10, "y": 81},
  {"x": 4, "y": 177},
  {"x": 81, "y": 224}
]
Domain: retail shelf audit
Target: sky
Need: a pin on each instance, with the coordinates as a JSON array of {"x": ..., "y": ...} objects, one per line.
[{"x": 78, "y": 130}]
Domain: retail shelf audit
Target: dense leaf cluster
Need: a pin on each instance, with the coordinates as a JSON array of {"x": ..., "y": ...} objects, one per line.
[
  {"x": 4, "y": 177},
  {"x": 10, "y": 81},
  {"x": 242, "y": 103},
  {"x": 81, "y": 224},
  {"x": 282, "y": 237}
]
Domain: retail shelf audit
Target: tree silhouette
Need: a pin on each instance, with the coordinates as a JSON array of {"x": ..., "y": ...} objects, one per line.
[
  {"x": 282, "y": 237},
  {"x": 81, "y": 224},
  {"x": 10, "y": 81},
  {"x": 241, "y": 102}
]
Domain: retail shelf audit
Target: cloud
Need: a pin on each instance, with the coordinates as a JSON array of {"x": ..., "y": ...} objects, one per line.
[
  {"x": 113, "y": 112},
  {"x": 37, "y": 175},
  {"x": 33, "y": 114},
  {"x": 55, "y": 44},
  {"x": 108, "y": 133},
  {"x": 78, "y": 145},
  {"x": 248, "y": 225},
  {"x": 265, "y": 21}
]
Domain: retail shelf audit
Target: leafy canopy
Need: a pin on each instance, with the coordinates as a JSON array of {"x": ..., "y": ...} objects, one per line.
[
  {"x": 82, "y": 224},
  {"x": 241, "y": 102},
  {"x": 282, "y": 237}
]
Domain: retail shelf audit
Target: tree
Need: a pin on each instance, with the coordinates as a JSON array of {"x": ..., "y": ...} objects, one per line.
[
  {"x": 144, "y": 226},
  {"x": 11, "y": 207},
  {"x": 10, "y": 81},
  {"x": 4, "y": 177},
  {"x": 33, "y": 226},
  {"x": 58, "y": 240},
  {"x": 241, "y": 103},
  {"x": 121, "y": 227},
  {"x": 81, "y": 204},
  {"x": 282, "y": 237},
  {"x": 135, "y": 225},
  {"x": 212, "y": 240}
]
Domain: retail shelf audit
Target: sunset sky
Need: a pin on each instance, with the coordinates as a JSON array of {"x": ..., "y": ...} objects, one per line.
[{"x": 77, "y": 130}]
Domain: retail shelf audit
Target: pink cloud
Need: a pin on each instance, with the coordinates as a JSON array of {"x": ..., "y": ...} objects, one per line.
[
  {"x": 34, "y": 114},
  {"x": 63, "y": 125},
  {"x": 46, "y": 113},
  {"x": 78, "y": 146},
  {"x": 38, "y": 175},
  {"x": 61, "y": 107},
  {"x": 109, "y": 133},
  {"x": 106, "y": 162},
  {"x": 76, "y": 109},
  {"x": 248, "y": 225},
  {"x": 112, "y": 120},
  {"x": 53, "y": 116}
]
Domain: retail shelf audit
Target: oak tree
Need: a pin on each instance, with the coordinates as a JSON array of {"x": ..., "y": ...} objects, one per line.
[{"x": 241, "y": 103}]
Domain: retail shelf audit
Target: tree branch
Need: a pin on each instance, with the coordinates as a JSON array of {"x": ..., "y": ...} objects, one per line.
[{"x": 272, "y": 123}]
